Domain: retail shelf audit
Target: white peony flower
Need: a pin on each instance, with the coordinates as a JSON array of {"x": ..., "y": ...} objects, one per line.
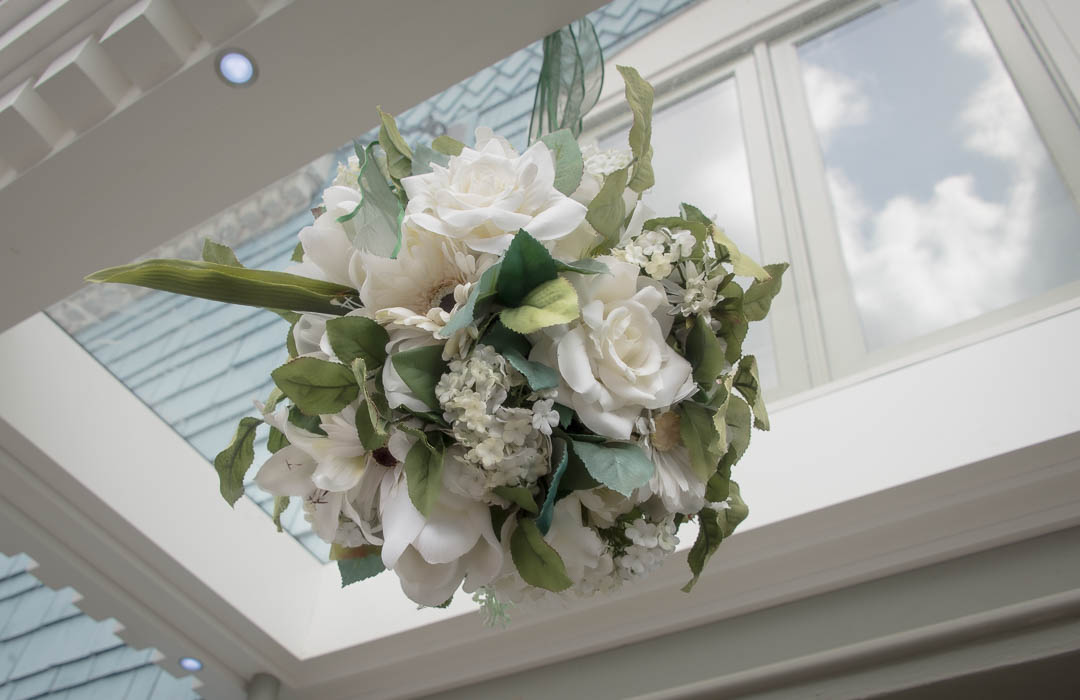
[
  {"x": 432, "y": 556},
  {"x": 484, "y": 196},
  {"x": 328, "y": 252},
  {"x": 615, "y": 361}
]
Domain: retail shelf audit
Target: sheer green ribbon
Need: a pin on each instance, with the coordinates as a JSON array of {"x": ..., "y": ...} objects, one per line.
[{"x": 570, "y": 80}]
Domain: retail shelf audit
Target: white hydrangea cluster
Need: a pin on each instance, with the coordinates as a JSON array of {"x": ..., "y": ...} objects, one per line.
[
  {"x": 658, "y": 251},
  {"x": 605, "y": 162},
  {"x": 651, "y": 543},
  {"x": 347, "y": 172},
  {"x": 502, "y": 446}
]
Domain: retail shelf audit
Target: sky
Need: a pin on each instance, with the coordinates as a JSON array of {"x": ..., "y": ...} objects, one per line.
[{"x": 947, "y": 203}]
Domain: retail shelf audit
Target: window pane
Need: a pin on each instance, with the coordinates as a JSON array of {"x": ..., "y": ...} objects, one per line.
[
  {"x": 947, "y": 203},
  {"x": 700, "y": 158}
]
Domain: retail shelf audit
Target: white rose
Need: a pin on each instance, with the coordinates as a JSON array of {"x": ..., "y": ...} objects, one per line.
[
  {"x": 485, "y": 195},
  {"x": 615, "y": 361},
  {"x": 432, "y": 556}
]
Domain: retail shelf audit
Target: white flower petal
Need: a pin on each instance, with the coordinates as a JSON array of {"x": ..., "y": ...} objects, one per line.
[{"x": 287, "y": 473}]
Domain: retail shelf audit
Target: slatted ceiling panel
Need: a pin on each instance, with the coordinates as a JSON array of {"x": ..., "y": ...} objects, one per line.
[{"x": 48, "y": 649}]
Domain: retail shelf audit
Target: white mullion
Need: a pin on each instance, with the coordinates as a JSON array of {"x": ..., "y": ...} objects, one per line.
[
  {"x": 784, "y": 317},
  {"x": 806, "y": 298},
  {"x": 1050, "y": 34},
  {"x": 1048, "y": 108}
]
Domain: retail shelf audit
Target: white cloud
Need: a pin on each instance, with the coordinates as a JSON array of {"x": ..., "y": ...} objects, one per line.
[{"x": 835, "y": 101}]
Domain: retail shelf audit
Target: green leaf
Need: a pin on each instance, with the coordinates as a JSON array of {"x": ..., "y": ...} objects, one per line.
[
  {"x": 704, "y": 352},
  {"x": 538, "y": 564},
  {"x": 359, "y": 568},
  {"x": 398, "y": 153},
  {"x": 316, "y": 386},
  {"x": 370, "y": 421},
  {"x": 701, "y": 439},
  {"x": 232, "y": 285},
  {"x": 353, "y": 337},
  {"x": 276, "y": 441},
  {"x": 233, "y": 462},
  {"x": 737, "y": 422},
  {"x": 607, "y": 210},
  {"x": 758, "y": 297},
  {"x": 483, "y": 290},
  {"x": 518, "y": 494},
  {"x": 505, "y": 340},
  {"x": 569, "y": 164},
  {"x": 710, "y": 535},
  {"x": 297, "y": 253},
  {"x": 748, "y": 384},
  {"x": 736, "y": 513},
  {"x": 692, "y": 213},
  {"x": 560, "y": 457},
  {"x": 423, "y": 474},
  {"x": 312, "y": 424},
  {"x": 290, "y": 342},
  {"x": 717, "y": 487},
  {"x": 424, "y": 156},
  {"x": 448, "y": 145},
  {"x": 281, "y": 503},
  {"x": 526, "y": 265},
  {"x": 639, "y": 95},
  {"x": 549, "y": 304},
  {"x": 219, "y": 253},
  {"x": 376, "y": 226},
  {"x": 741, "y": 263},
  {"x": 498, "y": 518},
  {"x": 420, "y": 369},
  {"x": 588, "y": 266},
  {"x": 538, "y": 375},
  {"x": 576, "y": 477},
  {"x": 621, "y": 466},
  {"x": 566, "y": 415}
]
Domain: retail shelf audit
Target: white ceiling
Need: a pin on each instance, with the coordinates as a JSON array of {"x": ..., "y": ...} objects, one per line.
[{"x": 175, "y": 153}]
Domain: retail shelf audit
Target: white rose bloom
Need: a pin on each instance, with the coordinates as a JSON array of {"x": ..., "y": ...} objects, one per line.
[
  {"x": 615, "y": 361},
  {"x": 485, "y": 195},
  {"x": 328, "y": 253},
  {"x": 432, "y": 556}
]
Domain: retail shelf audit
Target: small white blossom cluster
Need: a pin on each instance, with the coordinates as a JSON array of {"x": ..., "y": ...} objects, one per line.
[
  {"x": 651, "y": 543},
  {"x": 347, "y": 173},
  {"x": 658, "y": 251},
  {"x": 503, "y": 446}
]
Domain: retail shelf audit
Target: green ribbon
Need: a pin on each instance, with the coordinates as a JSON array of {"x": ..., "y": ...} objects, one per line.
[{"x": 571, "y": 77}]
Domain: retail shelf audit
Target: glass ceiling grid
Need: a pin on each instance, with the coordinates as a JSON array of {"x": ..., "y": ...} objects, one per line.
[{"x": 199, "y": 364}]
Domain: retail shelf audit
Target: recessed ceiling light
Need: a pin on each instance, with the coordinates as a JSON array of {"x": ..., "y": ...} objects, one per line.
[
  {"x": 190, "y": 663},
  {"x": 236, "y": 67}
]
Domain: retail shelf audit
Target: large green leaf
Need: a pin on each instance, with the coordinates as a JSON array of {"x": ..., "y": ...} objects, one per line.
[
  {"x": 423, "y": 474},
  {"x": 549, "y": 304},
  {"x": 483, "y": 290},
  {"x": 748, "y": 384},
  {"x": 639, "y": 95},
  {"x": 704, "y": 352},
  {"x": 398, "y": 153},
  {"x": 758, "y": 297},
  {"x": 526, "y": 265},
  {"x": 519, "y": 495},
  {"x": 276, "y": 441},
  {"x": 356, "y": 337},
  {"x": 420, "y": 369},
  {"x": 576, "y": 477},
  {"x": 232, "y": 285},
  {"x": 376, "y": 224},
  {"x": 233, "y": 462},
  {"x": 607, "y": 210},
  {"x": 316, "y": 386},
  {"x": 538, "y": 564},
  {"x": 424, "y": 156},
  {"x": 737, "y": 424},
  {"x": 371, "y": 422},
  {"x": 621, "y": 466},
  {"x": 505, "y": 340},
  {"x": 569, "y": 164},
  {"x": 699, "y": 434},
  {"x": 710, "y": 535},
  {"x": 312, "y": 424}
]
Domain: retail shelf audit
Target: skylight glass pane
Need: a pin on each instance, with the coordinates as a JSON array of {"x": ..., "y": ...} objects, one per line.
[
  {"x": 947, "y": 203},
  {"x": 199, "y": 364}
]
